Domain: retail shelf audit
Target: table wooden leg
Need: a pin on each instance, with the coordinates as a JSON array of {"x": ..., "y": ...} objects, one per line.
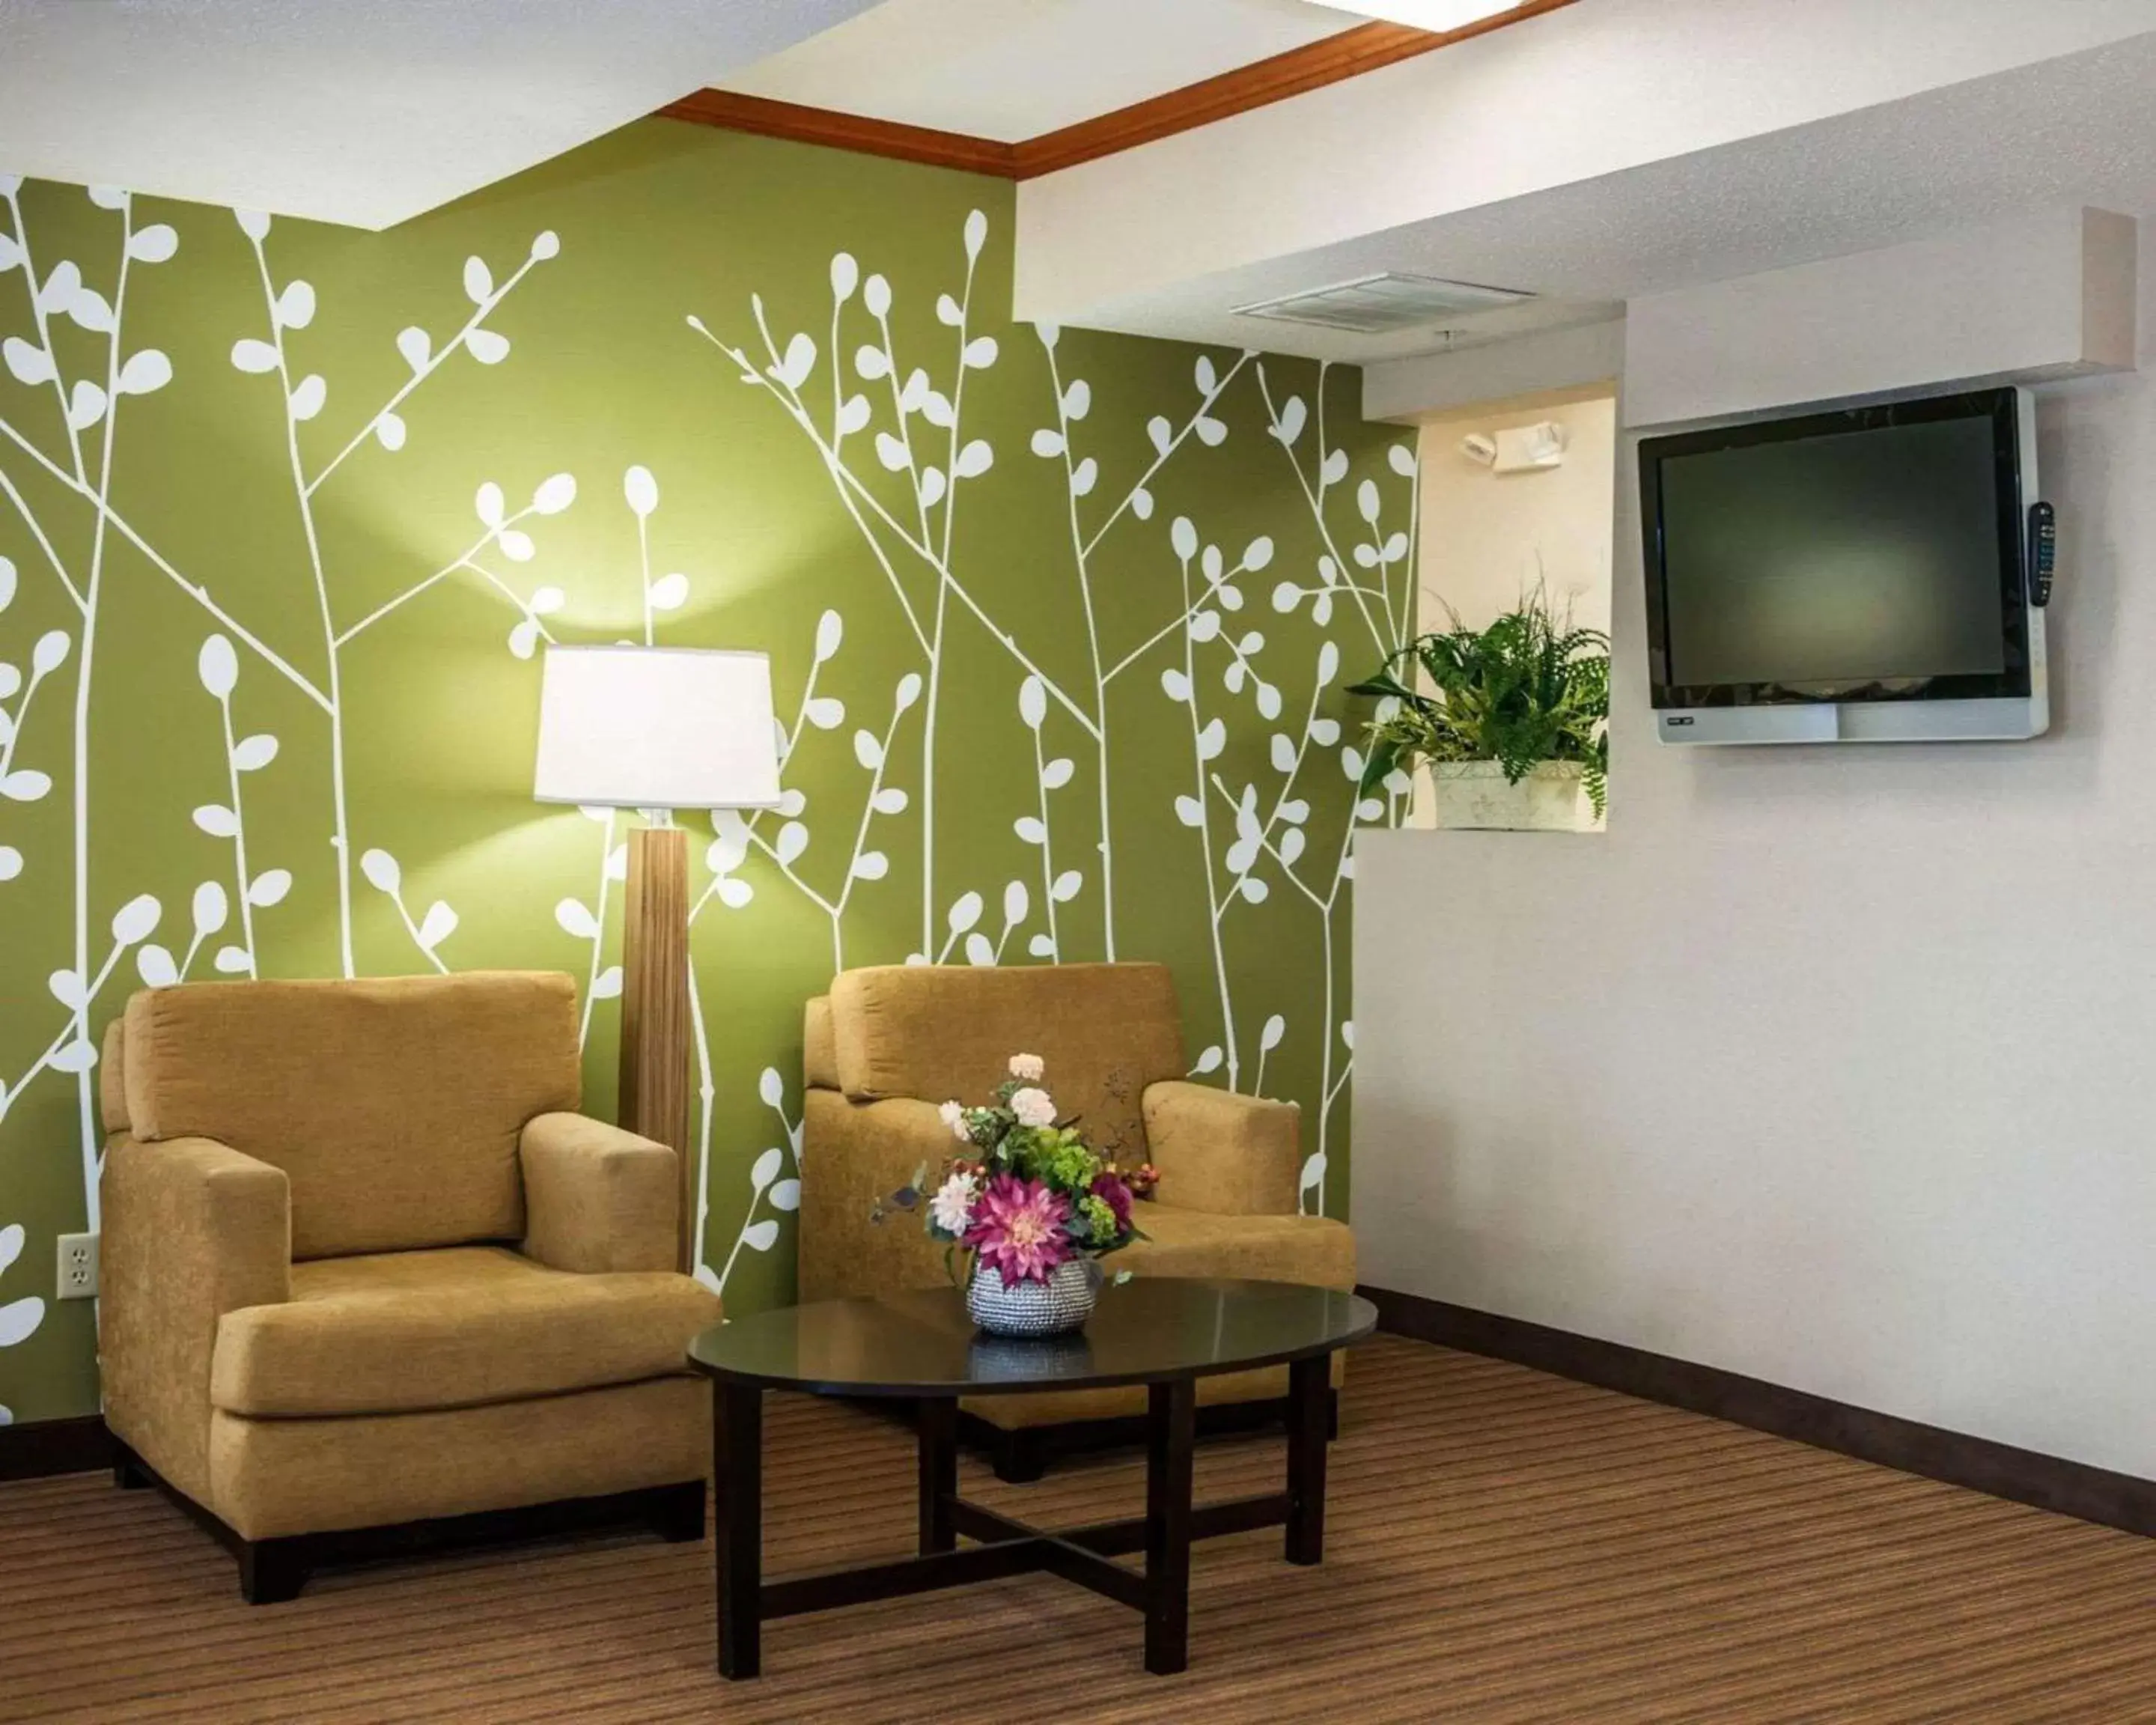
[
  {"x": 1309, "y": 1381},
  {"x": 939, "y": 1473},
  {"x": 1170, "y": 1439},
  {"x": 737, "y": 1554}
]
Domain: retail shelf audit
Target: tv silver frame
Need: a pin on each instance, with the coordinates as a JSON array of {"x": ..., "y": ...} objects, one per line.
[{"x": 1997, "y": 719}]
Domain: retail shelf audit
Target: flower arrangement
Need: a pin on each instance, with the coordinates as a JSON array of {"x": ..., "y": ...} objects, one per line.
[{"x": 1029, "y": 1194}]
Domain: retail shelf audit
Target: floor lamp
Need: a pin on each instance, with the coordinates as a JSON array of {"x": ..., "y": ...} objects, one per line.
[{"x": 656, "y": 729}]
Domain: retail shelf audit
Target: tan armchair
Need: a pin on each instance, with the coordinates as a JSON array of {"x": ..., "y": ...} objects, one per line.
[
  {"x": 363, "y": 1266},
  {"x": 888, "y": 1044}
]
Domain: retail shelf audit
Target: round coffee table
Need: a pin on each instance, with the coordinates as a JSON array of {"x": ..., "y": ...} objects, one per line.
[{"x": 1164, "y": 1334}]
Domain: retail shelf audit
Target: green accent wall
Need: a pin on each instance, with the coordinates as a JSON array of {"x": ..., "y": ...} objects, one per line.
[{"x": 281, "y": 534}]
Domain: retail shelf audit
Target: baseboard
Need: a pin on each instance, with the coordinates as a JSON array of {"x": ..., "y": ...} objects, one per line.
[
  {"x": 2071, "y": 1488},
  {"x": 40, "y": 1447}
]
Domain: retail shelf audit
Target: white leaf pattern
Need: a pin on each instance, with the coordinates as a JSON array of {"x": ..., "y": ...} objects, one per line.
[
  {"x": 437, "y": 926},
  {"x": 1058, "y": 699}
]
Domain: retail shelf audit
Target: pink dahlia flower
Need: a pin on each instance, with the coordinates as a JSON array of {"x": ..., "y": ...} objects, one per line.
[
  {"x": 1111, "y": 1191},
  {"x": 1018, "y": 1228}
]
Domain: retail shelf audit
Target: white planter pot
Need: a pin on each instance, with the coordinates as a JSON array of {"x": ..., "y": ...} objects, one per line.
[{"x": 1475, "y": 794}]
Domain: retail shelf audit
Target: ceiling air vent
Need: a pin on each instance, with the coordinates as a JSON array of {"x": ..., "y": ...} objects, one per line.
[{"x": 1376, "y": 304}]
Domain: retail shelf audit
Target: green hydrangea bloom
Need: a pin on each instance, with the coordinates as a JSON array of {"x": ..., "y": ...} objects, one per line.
[
  {"x": 1056, "y": 1154},
  {"x": 1100, "y": 1220},
  {"x": 1069, "y": 1166}
]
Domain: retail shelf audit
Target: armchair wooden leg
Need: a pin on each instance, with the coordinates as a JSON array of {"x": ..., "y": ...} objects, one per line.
[
  {"x": 271, "y": 1571},
  {"x": 1019, "y": 1456},
  {"x": 677, "y": 1514}
]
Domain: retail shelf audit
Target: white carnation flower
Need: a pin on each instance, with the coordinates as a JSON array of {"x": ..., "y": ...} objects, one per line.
[
  {"x": 951, "y": 1208},
  {"x": 1028, "y": 1069},
  {"x": 1032, "y": 1107},
  {"x": 954, "y": 1117}
]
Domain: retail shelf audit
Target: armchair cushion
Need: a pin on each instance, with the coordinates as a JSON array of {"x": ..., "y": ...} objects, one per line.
[
  {"x": 1314, "y": 1251},
  {"x": 1227, "y": 1154},
  {"x": 453, "y": 1327},
  {"x": 193, "y": 1229},
  {"x": 392, "y": 1104},
  {"x": 932, "y": 1031},
  {"x": 598, "y": 1198}
]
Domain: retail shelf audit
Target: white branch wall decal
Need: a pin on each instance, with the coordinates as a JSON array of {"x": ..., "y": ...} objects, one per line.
[
  {"x": 910, "y": 536},
  {"x": 18, "y": 1317},
  {"x": 256, "y": 704}
]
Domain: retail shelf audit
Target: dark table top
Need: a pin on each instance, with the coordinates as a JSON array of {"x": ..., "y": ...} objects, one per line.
[{"x": 922, "y": 1343}]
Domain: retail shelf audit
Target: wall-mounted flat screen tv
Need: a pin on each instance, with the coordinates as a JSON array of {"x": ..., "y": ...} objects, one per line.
[{"x": 1859, "y": 575}]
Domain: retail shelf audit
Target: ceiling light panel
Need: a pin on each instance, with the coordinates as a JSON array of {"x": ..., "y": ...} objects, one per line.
[
  {"x": 1377, "y": 305},
  {"x": 1433, "y": 15}
]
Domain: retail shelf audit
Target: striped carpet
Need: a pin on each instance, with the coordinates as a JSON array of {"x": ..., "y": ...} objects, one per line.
[{"x": 1504, "y": 1547}]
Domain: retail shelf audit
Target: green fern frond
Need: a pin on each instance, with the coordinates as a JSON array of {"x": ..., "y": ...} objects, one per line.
[{"x": 1529, "y": 688}]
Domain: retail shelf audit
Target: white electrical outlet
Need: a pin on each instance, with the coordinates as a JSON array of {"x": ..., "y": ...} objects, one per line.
[{"x": 78, "y": 1266}]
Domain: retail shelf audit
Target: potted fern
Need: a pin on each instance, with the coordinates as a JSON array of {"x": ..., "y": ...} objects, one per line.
[{"x": 1517, "y": 728}]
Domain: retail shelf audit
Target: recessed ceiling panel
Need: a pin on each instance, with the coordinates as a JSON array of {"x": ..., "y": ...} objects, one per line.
[{"x": 1378, "y": 304}]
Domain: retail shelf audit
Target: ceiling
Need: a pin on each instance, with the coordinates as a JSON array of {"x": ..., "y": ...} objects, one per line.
[
  {"x": 2079, "y": 130},
  {"x": 367, "y": 112},
  {"x": 1012, "y": 69},
  {"x": 360, "y": 112}
]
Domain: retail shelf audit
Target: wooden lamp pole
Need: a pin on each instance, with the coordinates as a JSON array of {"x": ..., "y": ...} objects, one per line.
[{"x": 654, "y": 1005}]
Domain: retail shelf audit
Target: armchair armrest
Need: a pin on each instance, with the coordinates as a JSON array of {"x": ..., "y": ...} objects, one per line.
[
  {"x": 857, "y": 1153},
  {"x": 193, "y": 1229},
  {"x": 598, "y": 1198},
  {"x": 1225, "y": 1154}
]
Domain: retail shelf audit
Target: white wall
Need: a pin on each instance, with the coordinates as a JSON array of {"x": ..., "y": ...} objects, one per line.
[
  {"x": 1488, "y": 537},
  {"x": 1828, "y": 1065}
]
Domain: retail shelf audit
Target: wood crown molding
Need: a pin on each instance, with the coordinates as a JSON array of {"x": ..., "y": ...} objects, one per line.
[
  {"x": 1366, "y": 47},
  {"x": 731, "y": 112}
]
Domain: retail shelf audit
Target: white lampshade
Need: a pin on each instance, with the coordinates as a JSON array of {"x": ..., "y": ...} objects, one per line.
[{"x": 656, "y": 728}]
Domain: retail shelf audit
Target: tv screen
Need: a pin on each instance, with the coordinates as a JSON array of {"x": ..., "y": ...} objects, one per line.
[{"x": 1874, "y": 554}]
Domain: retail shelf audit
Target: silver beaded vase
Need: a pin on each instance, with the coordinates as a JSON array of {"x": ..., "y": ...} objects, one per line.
[{"x": 1055, "y": 1307}]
